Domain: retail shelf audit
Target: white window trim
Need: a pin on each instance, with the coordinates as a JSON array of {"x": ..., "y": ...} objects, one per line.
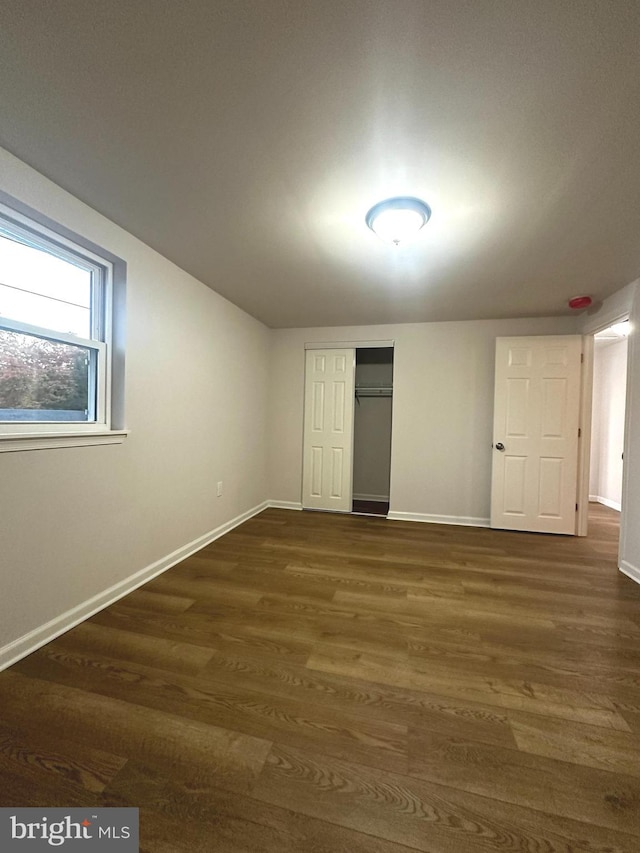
[
  {"x": 41, "y": 435},
  {"x": 51, "y": 440}
]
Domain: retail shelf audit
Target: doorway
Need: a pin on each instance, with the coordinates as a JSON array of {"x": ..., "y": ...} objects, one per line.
[{"x": 608, "y": 416}]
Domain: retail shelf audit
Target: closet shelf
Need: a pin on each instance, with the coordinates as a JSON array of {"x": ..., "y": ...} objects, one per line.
[{"x": 374, "y": 391}]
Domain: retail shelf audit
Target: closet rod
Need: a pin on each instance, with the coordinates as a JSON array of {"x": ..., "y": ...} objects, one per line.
[{"x": 374, "y": 391}]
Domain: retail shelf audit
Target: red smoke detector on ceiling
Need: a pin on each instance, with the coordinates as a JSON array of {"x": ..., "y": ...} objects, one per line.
[{"x": 579, "y": 302}]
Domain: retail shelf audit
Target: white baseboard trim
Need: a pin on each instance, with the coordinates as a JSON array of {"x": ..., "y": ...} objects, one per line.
[
  {"x": 462, "y": 520},
  {"x": 630, "y": 571},
  {"x": 285, "y": 504},
  {"x": 12, "y": 652},
  {"x": 606, "y": 502},
  {"x": 382, "y": 498}
]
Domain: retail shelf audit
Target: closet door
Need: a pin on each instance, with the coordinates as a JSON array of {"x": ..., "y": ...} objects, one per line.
[{"x": 328, "y": 429}]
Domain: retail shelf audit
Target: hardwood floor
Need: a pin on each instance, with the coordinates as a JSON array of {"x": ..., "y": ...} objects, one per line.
[{"x": 325, "y": 683}]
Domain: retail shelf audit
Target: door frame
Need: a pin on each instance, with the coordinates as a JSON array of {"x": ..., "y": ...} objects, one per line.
[
  {"x": 584, "y": 440},
  {"x": 355, "y": 345},
  {"x": 584, "y": 452}
]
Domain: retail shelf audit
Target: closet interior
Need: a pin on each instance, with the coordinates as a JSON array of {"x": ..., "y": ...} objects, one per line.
[{"x": 372, "y": 430}]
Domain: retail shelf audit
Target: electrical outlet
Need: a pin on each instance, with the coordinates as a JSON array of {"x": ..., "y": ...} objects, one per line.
[{"x": 219, "y": 492}]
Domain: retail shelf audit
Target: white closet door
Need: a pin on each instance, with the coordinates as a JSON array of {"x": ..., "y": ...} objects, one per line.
[
  {"x": 535, "y": 433},
  {"x": 328, "y": 429}
]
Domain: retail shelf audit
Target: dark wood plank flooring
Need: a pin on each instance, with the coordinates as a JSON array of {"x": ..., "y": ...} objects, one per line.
[{"x": 324, "y": 683}]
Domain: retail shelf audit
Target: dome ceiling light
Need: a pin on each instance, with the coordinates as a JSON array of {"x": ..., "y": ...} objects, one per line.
[{"x": 398, "y": 220}]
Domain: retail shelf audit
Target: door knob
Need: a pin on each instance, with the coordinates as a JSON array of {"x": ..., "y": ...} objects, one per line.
[{"x": 500, "y": 446}]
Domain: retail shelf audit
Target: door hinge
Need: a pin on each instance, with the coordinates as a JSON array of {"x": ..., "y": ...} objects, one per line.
[
  {"x": 581, "y": 358},
  {"x": 579, "y": 432},
  {"x": 576, "y": 507}
]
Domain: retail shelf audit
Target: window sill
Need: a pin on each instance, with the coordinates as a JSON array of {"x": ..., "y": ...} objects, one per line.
[{"x": 51, "y": 440}]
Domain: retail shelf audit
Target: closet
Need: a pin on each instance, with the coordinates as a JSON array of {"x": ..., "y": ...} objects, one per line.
[
  {"x": 347, "y": 428},
  {"x": 372, "y": 430}
]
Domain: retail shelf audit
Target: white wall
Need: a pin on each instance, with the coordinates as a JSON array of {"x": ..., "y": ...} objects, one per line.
[
  {"x": 607, "y": 422},
  {"x": 442, "y": 411},
  {"x": 74, "y": 521}
]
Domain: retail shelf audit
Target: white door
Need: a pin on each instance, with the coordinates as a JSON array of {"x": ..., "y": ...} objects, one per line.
[
  {"x": 535, "y": 433},
  {"x": 328, "y": 429}
]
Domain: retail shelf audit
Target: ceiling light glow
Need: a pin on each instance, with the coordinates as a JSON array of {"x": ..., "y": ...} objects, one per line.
[{"x": 399, "y": 219}]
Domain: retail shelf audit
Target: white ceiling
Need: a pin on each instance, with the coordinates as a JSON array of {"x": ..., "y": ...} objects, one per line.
[{"x": 246, "y": 139}]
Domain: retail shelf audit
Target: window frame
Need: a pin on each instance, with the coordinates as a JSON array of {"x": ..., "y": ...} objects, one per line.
[{"x": 36, "y": 230}]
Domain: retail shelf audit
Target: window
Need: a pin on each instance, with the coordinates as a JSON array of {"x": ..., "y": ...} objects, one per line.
[{"x": 56, "y": 306}]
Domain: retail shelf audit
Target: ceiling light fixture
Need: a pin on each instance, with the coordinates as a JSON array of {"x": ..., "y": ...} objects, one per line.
[{"x": 398, "y": 219}]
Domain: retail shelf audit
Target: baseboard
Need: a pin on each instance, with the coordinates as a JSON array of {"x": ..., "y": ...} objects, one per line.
[
  {"x": 381, "y": 498},
  {"x": 23, "y": 646},
  {"x": 606, "y": 502},
  {"x": 285, "y": 504},
  {"x": 611, "y": 504},
  {"x": 462, "y": 520},
  {"x": 630, "y": 571}
]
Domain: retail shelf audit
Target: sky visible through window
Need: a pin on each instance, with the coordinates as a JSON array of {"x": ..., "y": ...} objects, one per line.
[{"x": 43, "y": 290}]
